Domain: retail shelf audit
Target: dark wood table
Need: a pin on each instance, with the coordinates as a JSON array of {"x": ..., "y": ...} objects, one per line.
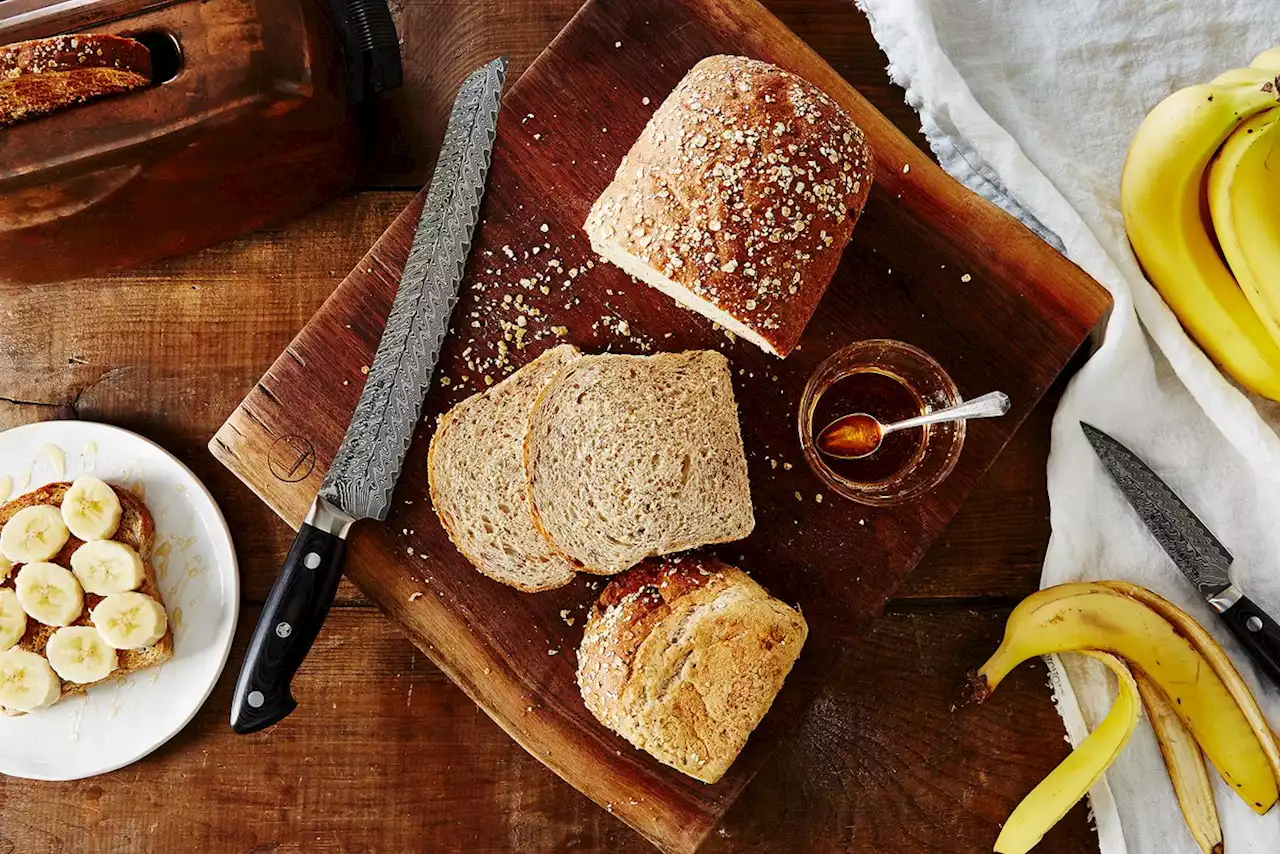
[{"x": 389, "y": 756}]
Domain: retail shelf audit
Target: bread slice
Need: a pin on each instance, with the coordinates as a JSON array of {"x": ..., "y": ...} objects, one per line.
[
  {"x": 475, "y": 472},
  {"x": 683, "y": 657},
  {"x": 44, "y": 75},
  {"x": 137, "y": 529},
  {"x": 738, "y": 198},
  {"x": 634, "y": 456}
]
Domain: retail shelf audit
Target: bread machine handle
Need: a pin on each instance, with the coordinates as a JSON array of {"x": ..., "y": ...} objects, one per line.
[
  {"x": 370, "y": 46},
  {"x": 291, "y": 620}
]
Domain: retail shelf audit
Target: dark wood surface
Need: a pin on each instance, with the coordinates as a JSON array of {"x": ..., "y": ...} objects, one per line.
[
  {"x": 254, "y": 128},
  {"x": 930, "y": 263},
  {"x": 405, "y": 761}
]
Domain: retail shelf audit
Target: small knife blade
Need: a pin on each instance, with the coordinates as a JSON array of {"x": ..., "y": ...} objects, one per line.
[
  {"x": 1192, "y": 547},
  {"x": 360, "y": 482}
]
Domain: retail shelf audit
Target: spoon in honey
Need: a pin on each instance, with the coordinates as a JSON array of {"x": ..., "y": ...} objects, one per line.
[{"x": 852, "y": 437}]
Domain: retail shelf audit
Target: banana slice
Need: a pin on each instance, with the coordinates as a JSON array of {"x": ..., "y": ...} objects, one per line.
[
  {"x": 130, "y": 620},
  {"x": 33, "y": 534},
  {"x": 49, "y": 593},
  {"x": 27, "y": 682},
  {"x": 91, "y": 509},
  {"x": 105, "y": 567},
  {"x": 79, "y": 654},
  {"x": 13, "y": 620}
]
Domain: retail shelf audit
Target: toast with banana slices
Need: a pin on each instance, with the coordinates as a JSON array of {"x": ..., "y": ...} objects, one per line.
[{"x": 79, "y": 601}]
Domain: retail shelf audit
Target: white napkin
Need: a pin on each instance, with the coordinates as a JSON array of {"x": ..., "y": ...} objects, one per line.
[{"x": 1032, "y": 103}]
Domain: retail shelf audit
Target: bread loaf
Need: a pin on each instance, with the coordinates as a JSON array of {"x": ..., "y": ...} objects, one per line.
[
  {"x": 738, "y": 198},
  {"x": 683, "y": 657},
  {"x": 629, "y": 457},
  {"x": 476, "y": 475},
  {"x": 44, "y": 75}
]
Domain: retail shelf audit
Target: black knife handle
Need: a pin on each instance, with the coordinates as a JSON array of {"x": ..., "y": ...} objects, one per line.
[
  {"x": 288, "y": 626},
  {"x": 1259, "y": 634}
]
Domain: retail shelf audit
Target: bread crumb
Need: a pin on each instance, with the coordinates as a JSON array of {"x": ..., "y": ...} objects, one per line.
[
  {"x": 617, "y": 44},
  {"x": 364, "y": 369},
  {"x": 799, "y": 497},
  {"x": 645, "y": 100},
  {"x": 906, "y": 167},
  {"x": 966, "y": 278},
  {"x": 818, "y": 498},
  {"x": 416, "y": 596},
  {"x": 544, "y": 228},
  {"x": 488, "y": 670},
  {"x": 786, "y": 466}
]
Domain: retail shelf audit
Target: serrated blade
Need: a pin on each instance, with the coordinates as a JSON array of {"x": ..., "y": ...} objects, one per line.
[
  {"x": 368, "y": 463},
  {"x": 1193, "y": 548}
]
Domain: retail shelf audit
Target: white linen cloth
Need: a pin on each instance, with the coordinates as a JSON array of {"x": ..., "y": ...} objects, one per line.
[{"x": 1033, "y": 103}]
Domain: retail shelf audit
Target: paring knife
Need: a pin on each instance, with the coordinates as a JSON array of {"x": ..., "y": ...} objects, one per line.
[
  {"x": 1192, "y": 547},
  {"x": 364, "y": 472}
]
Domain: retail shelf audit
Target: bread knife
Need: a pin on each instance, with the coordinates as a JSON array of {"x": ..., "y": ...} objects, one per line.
[
  {"x": 1195, "y": 551},
  {"x": 363, "y": 475}
]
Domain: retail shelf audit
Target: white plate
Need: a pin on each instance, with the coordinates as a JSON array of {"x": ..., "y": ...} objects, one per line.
[{"x": 121, "y": 721}]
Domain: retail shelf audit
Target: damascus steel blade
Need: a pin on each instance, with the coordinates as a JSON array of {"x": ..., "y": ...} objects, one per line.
[
  {"x": 368, "y": 463},
  {"x": 1192, "y": 546}
]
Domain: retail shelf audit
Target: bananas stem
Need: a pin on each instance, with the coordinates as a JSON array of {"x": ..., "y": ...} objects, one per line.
[{"x": 1075, "y": 776}]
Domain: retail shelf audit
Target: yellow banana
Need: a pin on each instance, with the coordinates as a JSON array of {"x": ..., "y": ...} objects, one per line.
[
  {"x": 1056, "y": 621},
  {"x": 1217, "y": 658},
  {"x": 1185, "y": 764},
  {"x": 1160, "y": 193},
  {"x": 1244, "y": 201},
  {"x": 1268, "y": 59},
  {"x": 1074, "y": 777}
]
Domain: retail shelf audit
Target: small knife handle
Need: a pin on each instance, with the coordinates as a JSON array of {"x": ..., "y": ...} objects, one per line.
[
  {"x": 1259, "y": 634},
  {"x": 290, "y": 621}
]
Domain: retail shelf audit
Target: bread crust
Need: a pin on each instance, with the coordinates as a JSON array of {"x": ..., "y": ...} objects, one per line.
[
  {"x": 683, "y": 657},
  {"x": 743, "y": 188},
  {"x": 44, "y": 75},
  {"x": 137, "y": 529},
  {"x": 446, "y": 509}
]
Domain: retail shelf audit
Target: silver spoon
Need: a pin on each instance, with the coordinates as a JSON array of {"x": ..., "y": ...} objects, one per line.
[{"x": 852, "y": 437}]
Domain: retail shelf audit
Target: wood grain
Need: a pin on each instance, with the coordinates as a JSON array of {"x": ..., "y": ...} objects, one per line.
[
  {"x": 254, "y": 127},
  {"x": 554, "y": 155},
  {"x": 182, "y": 368},
  {"x": 392, "y": 757}
]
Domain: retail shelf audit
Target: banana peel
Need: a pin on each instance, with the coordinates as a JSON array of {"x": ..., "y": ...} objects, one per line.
[
  {"x": 1185, "y": 764},
  {"x": 1095, "y": 617},
  {"x": 1048, "y": 802},
  {"x": 1216, "y": 657}
]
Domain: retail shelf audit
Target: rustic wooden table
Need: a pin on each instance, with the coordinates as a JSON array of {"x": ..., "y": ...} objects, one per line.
[{"x": 389, "y": 756}]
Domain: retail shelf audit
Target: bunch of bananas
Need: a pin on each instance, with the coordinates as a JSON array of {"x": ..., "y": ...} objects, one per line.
[
  {"x": 1201, "y": 198},
  {"x": 1162, "y": 658}
]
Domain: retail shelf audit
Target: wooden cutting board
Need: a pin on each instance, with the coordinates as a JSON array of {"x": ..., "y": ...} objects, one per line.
[{"x": 930, "y": 263}]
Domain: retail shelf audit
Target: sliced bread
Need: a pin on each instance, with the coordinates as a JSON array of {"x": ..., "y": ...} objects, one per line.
[
  {"x": 683, "y": 657},
  {"x": 629, "y": 457},
  {"x": 475, "y": 470},
  {"x": 44, "y": 75}
]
